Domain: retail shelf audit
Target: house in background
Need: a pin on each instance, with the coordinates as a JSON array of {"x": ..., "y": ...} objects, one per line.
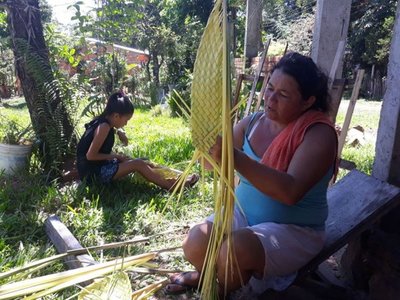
[
  {"x": 132, "y": 56},
  {"x": 93, "y": 49}
]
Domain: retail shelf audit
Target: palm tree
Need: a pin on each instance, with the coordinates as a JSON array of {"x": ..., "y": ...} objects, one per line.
[{"x": 48, "y": 112}]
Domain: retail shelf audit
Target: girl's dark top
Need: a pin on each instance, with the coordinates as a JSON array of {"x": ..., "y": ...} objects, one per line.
[{"x": 91, "y": 168}]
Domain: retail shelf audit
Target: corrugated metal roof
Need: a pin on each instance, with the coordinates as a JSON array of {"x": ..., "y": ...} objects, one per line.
[{"x": 92, "y": 40}]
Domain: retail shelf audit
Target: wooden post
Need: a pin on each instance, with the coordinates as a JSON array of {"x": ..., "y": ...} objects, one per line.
[
  {"x": 350, "y": 110},
  {"x": 261, "y": 95},
  {"x": 387, "y": 150},
  {"x": 252, "y": 35},
  {"x": 64, "y": 240},
  {"x": 331, "y": 25}
]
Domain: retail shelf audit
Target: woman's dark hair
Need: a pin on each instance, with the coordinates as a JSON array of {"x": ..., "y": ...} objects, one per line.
[
  {"x": 118, "y": 103},
  {"x": 311, "y": 80}
]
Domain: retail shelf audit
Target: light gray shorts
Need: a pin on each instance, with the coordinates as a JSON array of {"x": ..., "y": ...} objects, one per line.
[{"x": 287, "y": 247}]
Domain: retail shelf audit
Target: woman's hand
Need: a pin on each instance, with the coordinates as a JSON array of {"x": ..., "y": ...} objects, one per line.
[
  {"x": 216, "y": 150},
  {"x": 121, "y": 157},
  {"x": 122, "y": 137}
]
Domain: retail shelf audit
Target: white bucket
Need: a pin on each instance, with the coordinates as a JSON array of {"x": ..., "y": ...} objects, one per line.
[{"x": 13, "y": 157}]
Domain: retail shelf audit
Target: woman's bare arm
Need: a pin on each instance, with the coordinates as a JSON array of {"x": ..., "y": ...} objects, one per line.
[{"x": 311, "y": 161}]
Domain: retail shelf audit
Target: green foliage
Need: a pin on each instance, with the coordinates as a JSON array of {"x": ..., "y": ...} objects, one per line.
[
  {"x": 14, "y": 134},
  {"x": 46, "y": 12},
  {"x": 370, "y": 32},
  {"x": 196, "y": 9},
  {"x": 158, "y": 27},
  {"x": 384, "y": 41},
  {"x": 153, "y": 90},
  {"x": 7, "y": 70},
  {"x": 51, "y": 107},
  {"x": 290, "y": 22},
  {"x": 103, "y": 214},
  {"x": 179, "y": 103},
  {"x": 3, "y": 25}
]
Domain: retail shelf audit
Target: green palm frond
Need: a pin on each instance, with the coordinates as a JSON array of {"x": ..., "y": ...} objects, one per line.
[
  {"x": 115, "y": 286},
  {"x": 48, "y": 284}
]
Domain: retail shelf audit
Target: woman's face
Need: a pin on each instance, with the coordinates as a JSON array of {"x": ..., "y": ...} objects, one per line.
[
  {"x": 283, "y": 102},
  {"x": 120, "y": 121}
]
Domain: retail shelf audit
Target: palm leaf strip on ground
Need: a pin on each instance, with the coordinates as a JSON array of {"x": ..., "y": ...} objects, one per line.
[
  {"x": 40, "y": 286},
  {"x": 44, "y": 285}
]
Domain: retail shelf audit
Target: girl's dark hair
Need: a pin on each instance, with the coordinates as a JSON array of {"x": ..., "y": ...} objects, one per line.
[
  {"x": 118, "y": 103},
  {"x": 311, "y": 80}
]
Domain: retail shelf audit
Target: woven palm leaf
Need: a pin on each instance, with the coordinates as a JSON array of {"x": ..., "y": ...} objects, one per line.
[
  {"x": 211, "y": 116},
  {"x": 116, "y": 286},
  {"x": 207, "y": 86}
]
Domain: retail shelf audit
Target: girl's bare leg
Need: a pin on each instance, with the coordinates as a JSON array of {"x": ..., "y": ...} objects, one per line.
[{"x": 138, "y": 165}]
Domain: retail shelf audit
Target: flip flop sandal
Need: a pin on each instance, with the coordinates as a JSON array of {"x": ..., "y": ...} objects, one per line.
[
  {"x": 180, "y": 287},
  {"x": 177, "y": 289}
]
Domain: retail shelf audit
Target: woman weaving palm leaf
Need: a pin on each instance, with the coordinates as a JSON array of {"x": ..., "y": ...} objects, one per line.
[{"x": 285, "y": 157}]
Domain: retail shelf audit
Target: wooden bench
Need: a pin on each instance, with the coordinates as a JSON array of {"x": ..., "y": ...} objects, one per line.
[{"x": 356, "y": 202}]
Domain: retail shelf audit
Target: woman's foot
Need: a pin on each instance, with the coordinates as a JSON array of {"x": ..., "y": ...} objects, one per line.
[{"x": 182, "y": 282}]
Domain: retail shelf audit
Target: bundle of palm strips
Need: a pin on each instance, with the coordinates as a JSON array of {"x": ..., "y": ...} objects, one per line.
[{"x": 210, "y": 117}]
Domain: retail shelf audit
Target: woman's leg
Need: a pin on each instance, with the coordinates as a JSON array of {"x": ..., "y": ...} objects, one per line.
[
  {"x": 248, "y": 260},
  {"x": 194, "y": 248},
  {"x": 195, "y": 244}
]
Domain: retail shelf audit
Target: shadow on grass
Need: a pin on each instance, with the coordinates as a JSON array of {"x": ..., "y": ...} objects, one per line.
[{"x": 14, "y": 103}]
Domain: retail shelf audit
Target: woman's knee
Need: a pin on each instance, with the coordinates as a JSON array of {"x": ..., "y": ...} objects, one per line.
[
  {"x": 197, "y": 239},
  {"x": 247, "y": 249}
]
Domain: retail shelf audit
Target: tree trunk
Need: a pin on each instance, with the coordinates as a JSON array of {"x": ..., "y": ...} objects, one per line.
[
  {"x": 48, "y": 113},
  {"x": 156, "y": 69}
]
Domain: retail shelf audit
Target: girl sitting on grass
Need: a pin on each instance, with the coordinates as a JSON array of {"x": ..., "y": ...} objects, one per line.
[{"x": 95, "y": 161}]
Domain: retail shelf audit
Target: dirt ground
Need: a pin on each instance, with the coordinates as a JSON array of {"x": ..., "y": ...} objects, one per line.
[{"x": 309, "y": 289}]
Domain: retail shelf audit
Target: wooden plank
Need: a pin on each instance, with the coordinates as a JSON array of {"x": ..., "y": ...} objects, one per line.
[
  {"x": 335, "y": 63},
  {"x": 347, "y": 164},
  {"x": 238, "y": 88},
  {"x": 256, "y": 77},
  {"x": 355, "y": 203},
  {"x": 239, "y": 81},
  {"x": 326, "y": 272},
  {"x": 350, "y": 110},
  {"x": 336, "y": 93},
  {"x": 63, "y": 240},
  {"x": 261, "y": 95}
]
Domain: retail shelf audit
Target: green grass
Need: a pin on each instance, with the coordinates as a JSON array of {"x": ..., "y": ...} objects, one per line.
[
  {"x": 98, "y": 214},
  {"x": 128, "y": 208},
  {"x": 366, "y": 114}
]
